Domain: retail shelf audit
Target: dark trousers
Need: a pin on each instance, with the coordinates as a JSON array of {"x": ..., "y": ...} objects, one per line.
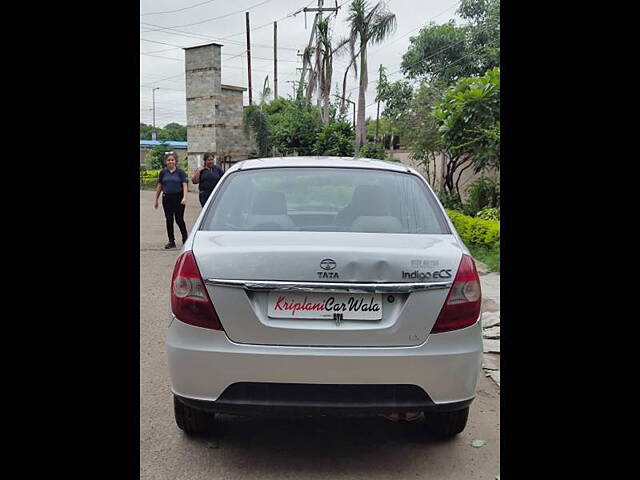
[
  {"x": 173, "y": 208},
  {"x": 204, "y": 196}
]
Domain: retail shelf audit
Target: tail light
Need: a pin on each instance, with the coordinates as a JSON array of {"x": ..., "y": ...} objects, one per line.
[
  {"x": 462, "y": 307},
  {"x": 190, "y": 301}
]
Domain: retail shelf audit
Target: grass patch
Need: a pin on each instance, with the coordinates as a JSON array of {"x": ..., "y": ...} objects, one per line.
[{"x": 490, "y": 257}]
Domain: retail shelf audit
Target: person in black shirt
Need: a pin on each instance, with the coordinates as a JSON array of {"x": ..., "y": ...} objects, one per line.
[
  {"x": 207, "y": 177},
  {"x": 172, "y": 182}
]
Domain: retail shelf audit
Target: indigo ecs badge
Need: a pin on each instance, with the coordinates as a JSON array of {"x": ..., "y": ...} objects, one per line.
[{"x": 438, "y": 274}]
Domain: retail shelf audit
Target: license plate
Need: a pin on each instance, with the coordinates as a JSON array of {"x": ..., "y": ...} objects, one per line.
[{"x": 352, "y": 306}]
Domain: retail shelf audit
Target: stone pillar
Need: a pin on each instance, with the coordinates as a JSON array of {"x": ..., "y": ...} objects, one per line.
[{"x": 202, "y": 81}]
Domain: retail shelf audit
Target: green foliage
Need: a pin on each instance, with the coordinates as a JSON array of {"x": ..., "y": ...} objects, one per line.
[
  {"x": 438, "y": 53},
  {"x": 155, "y": 157},
  {"x": 489, "y": 256},
  {"x": 335, "y": 139},
  {"x": 420, "y": 128},
  {"x": 397, "y": 98},
  {"x": 256, "y": 120},
  {"x": 444, "y": 53},
  {"x": 469, "y": 120},
  {"x": 484, "y": 192},
  {"x": 150, "y": 174},
  {"x": 293, "y": 126},
  {"x": 145, "y": 131},
  {"x": 371, "y": 127},
  {"x": 373, "y": 150},
  {"x": 451, "y": 201},
  {"x": 173, "y": 132},
  {"x": 476, "y": 232},
  {"x": 489, "y": 213}
]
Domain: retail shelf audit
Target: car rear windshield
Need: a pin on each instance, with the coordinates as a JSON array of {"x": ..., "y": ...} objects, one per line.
[{"x": 325, "y": 200}]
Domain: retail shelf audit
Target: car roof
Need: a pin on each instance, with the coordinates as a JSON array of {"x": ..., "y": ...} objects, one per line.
[{"x": 319, "y": 161}]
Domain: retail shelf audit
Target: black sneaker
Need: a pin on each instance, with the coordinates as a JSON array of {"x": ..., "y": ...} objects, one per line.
[{"x": 170, "y": 245}]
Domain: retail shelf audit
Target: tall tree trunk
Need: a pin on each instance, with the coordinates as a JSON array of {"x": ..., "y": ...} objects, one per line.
[
  {"x": 435, "y": 174},
  {"x": 360, "y": 130},
  {"x": 458, "y": 180},
  {"x": 344, "y": 91}
]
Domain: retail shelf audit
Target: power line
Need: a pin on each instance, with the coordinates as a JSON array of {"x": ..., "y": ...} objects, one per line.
[
  {"x": 195, "y": 35},
  {"x": 161, "y": 56},
  {"x": 216, "y": 18},
  {"x": 164, "y": 88},
  {"x": 178, "y": 10},
  {"x": 163, "y": 79},
  {"x": 160, "y": 51},
  {"x": 271, "y": 22}
]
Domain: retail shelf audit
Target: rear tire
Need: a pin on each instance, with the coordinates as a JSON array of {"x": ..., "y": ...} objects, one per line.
[
  {"x": 446, "y": 424},
  {"x": 190, "y": 420}
]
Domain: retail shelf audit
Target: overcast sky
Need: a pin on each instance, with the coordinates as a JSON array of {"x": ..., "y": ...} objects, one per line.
[{"x": 196, "y": 22}]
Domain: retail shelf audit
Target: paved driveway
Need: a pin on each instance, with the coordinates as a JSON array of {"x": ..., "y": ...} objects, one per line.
[{"x": 319, "y": 448}]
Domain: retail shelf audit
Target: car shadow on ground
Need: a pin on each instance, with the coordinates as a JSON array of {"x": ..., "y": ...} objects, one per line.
[{"x": 319, "y": 445}]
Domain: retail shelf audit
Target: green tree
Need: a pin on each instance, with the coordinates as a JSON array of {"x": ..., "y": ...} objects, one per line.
[
  {"x": 372, "y": 150},
  {"x": 468, "y": 119},
  {"x": 256, "y": 120},
  {"x": 155, "y": 157},
  {"x": 366, "y": 26},
  {"x": 445, "y": 53},
  {"x": 335, "y": 139},
  {"x": 173, "y": 132},
  {"x": 420, "y": 130},
  {"x": 293, "y": 125},
  {"x": 145, "y": 131},
  {"x": 397, "y": 98}
]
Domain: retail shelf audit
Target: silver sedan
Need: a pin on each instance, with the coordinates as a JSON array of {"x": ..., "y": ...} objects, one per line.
[{"x": 320, "y": 286}]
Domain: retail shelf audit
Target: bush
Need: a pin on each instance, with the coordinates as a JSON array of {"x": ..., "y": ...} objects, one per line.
[
  {"x": 489, "y": 214},
  {"x": 150, "y": 174},
  {"x": 155, "y": 158},
  {"x": 484, "y": 192},
  {"x": 335, "y": 139},
  {"x": 451, "y": 201},
  {"x": 476, "y": 231},
  {"x": 373, "y": 150}
]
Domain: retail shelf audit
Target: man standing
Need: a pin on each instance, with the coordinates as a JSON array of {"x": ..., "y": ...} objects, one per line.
[{"x": 207, "y": 177}]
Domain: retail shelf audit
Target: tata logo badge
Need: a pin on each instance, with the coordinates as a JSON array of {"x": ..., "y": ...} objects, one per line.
[{"x": 328, "y": 264}]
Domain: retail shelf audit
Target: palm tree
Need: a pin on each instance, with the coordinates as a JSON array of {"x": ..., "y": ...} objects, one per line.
[
  {"x": 265, "y": 93},
  {"x": 320, "y": 76},
  {"x": 368, "y": 26}
]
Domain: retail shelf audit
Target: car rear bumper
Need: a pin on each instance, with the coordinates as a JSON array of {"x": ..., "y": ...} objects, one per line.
[
  {"x": 291, "y": 399},
  {"x": 209, "y": 371}
]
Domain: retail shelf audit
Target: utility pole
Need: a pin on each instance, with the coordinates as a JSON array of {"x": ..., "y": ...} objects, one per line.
[
  {"x": 153, "y": 131},
  {"x": 249, "y": 59},
  {"x": 317, "y": 17},
  {"x": 275, "y": 60},
  {"x": 378, "y": 114},
  {"x": 318, "y": 53}
]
